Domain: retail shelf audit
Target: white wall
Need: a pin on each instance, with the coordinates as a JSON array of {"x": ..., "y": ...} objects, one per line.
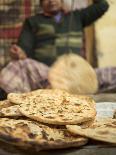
[
  {"x": 77, "y": 3},
  {"x": 105, "y": 30}
]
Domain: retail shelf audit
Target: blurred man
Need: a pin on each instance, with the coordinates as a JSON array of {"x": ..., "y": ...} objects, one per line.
[{"x": 46, "y": 36}]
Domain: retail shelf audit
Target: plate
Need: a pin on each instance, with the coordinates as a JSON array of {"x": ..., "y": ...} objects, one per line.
[{"x": 105, "y": 109}]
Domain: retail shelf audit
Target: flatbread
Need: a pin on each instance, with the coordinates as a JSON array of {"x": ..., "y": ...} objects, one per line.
[
  {"x": 5, "y": 104},
  {"x": 101, "y": 130},
  {"x": 60, "y": 109},
  {"x": 32, "y": 134},
  {"x": 19, "y": 98},
  {"x": 10, "y": 111},
  {"x": 89, "y": 100},
  {"x": 73, "y": 74}
]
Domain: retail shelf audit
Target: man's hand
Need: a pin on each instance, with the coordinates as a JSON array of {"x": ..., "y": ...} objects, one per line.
[{"x": 17, "y": 53}]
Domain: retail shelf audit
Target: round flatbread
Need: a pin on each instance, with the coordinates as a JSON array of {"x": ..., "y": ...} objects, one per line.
[
  {"x": 19, "y": 98},
  {"x": 60, "y": 109},
  {"x": 32, "y": 134},
  {"x": 102, "y": 130},
  {"x": 73, "y": 74}
]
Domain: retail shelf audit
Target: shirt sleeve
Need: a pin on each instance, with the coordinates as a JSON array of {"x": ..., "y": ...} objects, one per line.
[
  {"x": 26, "y": 38},
  {"x": 93, "y": 12}
]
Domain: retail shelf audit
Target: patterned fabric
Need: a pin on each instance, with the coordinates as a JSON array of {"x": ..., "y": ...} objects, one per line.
[
  {"x": 12, "y": 15},
  {"x": 106, "y": 79},
  {"x": 24, "y": 76}
]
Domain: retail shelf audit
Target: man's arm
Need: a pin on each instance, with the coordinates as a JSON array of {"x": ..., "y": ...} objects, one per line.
[
  {"x": 93, "y": 12},
  {"x": 26, "y": 38}
]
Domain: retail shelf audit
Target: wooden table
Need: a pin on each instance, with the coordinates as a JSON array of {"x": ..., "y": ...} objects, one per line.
[{"x": 92, "y": 148}]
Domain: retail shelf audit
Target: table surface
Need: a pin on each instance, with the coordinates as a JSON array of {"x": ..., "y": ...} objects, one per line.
[{"x": 92, "y": 148}]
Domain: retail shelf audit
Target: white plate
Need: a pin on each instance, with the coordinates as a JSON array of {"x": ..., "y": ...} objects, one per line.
[{"x": 105, "y": 109}]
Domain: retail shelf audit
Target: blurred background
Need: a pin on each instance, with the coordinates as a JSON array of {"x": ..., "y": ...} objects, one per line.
[{"x": 99, "y": 39}]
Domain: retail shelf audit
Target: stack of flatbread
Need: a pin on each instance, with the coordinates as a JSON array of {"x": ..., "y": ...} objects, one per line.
[{"x": 49, "y": 119}]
